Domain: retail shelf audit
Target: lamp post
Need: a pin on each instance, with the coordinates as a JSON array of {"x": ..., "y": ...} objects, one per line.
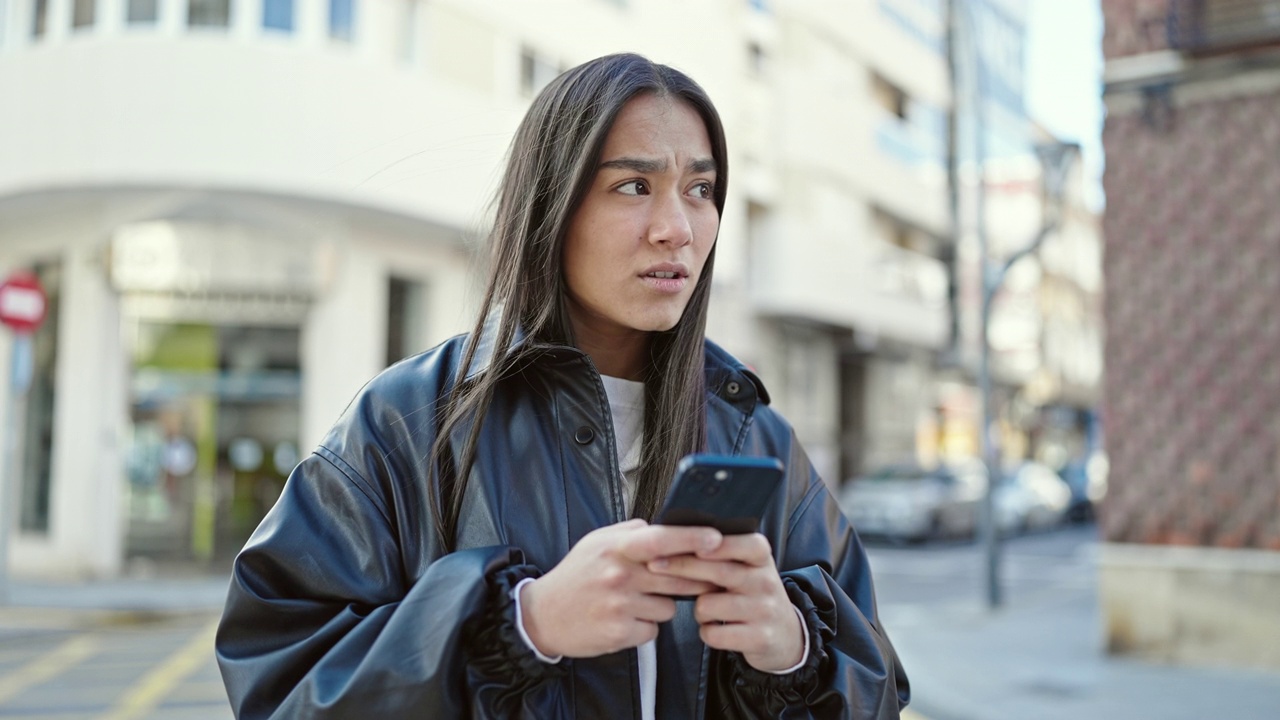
[{"x": 1055, "y": 162}]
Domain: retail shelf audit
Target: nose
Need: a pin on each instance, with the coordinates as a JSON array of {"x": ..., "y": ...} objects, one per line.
[{"x": 669, "y": 223}]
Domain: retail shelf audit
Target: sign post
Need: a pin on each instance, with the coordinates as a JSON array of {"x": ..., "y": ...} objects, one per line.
[{"x": 23, "y": 305}]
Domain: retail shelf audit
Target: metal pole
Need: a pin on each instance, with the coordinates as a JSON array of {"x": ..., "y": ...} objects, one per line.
[
  {"x": 989, "y": 533},
  {"x": 953, "y": 182}
]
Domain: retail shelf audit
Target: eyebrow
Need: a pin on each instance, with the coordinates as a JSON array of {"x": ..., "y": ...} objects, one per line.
[{"x": 643, "y": 166}]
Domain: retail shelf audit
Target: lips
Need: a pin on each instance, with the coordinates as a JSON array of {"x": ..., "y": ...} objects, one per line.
[
  {"x": 666, "y": 271},
  {"x": 666, "y": 278}
]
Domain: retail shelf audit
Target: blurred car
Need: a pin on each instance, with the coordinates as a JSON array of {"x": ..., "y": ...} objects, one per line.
[
  {"x": 910, "y": 503},
  {"x": 1030, "y": 496},
  {"x": 1087, "y": 478}
]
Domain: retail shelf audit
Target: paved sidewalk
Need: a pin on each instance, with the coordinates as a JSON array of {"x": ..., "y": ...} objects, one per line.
[
  {"x": 1041, "y": 657},
  {"x": 50, "y": 605}
]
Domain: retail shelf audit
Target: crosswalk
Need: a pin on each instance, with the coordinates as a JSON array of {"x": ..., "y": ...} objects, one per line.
[{"x": 156, "y": 671}]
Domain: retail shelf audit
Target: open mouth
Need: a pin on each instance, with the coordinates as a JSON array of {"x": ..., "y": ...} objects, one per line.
[{"x": 664, "y": 275}]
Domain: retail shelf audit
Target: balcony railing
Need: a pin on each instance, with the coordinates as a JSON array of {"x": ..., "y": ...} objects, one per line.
[{"x": 1216, "y": 27}]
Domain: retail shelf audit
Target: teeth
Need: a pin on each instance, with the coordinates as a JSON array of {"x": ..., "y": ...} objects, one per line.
[{"x": 664, "y": 275}]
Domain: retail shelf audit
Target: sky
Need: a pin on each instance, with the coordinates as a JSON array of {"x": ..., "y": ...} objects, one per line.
[{"x": 1064, "y": 77}]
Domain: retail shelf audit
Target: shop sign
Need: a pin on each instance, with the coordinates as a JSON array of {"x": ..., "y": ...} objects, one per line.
[{"x": 22, "y": 303}]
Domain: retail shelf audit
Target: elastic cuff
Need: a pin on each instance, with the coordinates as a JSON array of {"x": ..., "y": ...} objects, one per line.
[
  {"x": 799, "y": 680},
  {"x": 515, "y": 597},
  {"x": 498, "y": 645}
]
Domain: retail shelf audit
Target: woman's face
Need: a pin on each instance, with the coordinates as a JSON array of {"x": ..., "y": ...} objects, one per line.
[{"x": 636, "y": 246}]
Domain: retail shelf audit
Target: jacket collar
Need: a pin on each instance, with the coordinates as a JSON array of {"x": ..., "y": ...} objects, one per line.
[
  {"x": 487, "y": 343},
  {"x": 725, "y": 373}
]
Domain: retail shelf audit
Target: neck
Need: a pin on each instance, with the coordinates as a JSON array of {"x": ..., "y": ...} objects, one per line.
[
  {"x": 620, "y": 353},
  {"x": 621, "y": 357}
]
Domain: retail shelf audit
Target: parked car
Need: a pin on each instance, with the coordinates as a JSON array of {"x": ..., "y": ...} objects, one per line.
[
  {"x": 1030, "y": 496},
  {"x": 910, "y": 503},
  {"x": 1087, "y": 478}
]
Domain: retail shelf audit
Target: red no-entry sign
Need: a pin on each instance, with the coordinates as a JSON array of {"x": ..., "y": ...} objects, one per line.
[{"x": 22, "y": 302}]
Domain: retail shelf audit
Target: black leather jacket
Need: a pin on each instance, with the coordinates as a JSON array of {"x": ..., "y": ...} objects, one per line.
[{"x": 342, "y": 604}]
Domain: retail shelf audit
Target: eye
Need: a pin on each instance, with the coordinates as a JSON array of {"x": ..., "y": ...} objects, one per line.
[
  {"x": 704, "y": 190},
  {"x": 634, "y": 187}
]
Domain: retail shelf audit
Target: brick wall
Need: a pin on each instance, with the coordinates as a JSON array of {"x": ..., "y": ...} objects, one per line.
[{"x": 1192, "y": 265}]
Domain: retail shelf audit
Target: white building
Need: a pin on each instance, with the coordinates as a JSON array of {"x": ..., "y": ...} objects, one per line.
[{"x": 243, "y": 209}]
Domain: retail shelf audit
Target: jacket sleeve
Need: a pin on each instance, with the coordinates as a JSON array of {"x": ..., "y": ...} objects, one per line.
[
  {"x": 852, "y": 670},
  {"x": 321, "y": 620}
]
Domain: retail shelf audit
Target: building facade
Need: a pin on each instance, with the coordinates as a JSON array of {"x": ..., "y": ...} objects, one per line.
[
  {"x": 243, "y": 209},
  {"x": 1192, "y": 270}
]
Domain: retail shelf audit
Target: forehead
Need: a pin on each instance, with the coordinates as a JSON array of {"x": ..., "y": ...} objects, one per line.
[{"x": 650, "y": 125}]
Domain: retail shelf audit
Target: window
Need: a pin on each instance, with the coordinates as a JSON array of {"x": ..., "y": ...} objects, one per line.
[
  {"x": 82, "y": 13},
  {"x": 889, "y": 96},
  {"x": 39, "y": 17},
  {"x": 406, "y": 321},
  {"x": 410, "y": 11},
  {"x": 208, "y": 13},
  {"x": 37, "y": 410},
  {"x": 141, "y": 12},
  {"x": 535, "y": 72},
  {"x": 277, "y": 15},
  {"x": 757, "y": 61},
  {"x": 342, "y": 20}
]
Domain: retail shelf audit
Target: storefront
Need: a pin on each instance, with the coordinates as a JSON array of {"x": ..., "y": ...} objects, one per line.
[{"x": 187, "y": 363}]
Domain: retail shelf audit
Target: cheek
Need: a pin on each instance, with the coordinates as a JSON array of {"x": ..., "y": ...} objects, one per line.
[{"x": 705, "y": 239}]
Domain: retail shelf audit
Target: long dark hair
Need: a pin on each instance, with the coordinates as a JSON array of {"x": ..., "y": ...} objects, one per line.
[{"x": 552, "y": 163}]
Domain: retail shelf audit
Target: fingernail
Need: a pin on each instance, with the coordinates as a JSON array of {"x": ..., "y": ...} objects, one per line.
[{"x": 710, "y": 541}]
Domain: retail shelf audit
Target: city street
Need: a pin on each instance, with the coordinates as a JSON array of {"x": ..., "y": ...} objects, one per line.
[
  {"x": 59, "y": 667},
  {"x": 1038, "y": 657}
]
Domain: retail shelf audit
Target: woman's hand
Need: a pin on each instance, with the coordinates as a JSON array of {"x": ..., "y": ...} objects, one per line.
[
  {"x": 751, "y": 614},
  {"x": 602, "y": 597}
]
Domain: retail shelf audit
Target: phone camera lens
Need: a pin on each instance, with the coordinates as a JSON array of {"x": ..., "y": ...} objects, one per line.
[
  {"x": 721, "y": 475},
  {"x": 711, "y": 489}
]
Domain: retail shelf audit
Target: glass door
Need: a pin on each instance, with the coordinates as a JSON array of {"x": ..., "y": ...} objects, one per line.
[{"x": 214, "y": 426}]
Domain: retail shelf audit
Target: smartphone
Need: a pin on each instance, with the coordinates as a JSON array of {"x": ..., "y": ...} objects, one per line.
[{"x": 724, "y": 492}]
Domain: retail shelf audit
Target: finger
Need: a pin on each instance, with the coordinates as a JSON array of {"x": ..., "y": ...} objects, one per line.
[
  {"x": 655, "y": 584},
  {"x": 738, "y": 637},
  {"x": 725, "y": 607},
  {"x": 632, "y": 524},
  {"x": 628, "y": 634},
  {"x": 726, "y": 574},
  {"x": 751, "y": 548},
  {"x": 652, "y": 608},
  {"x": 655, "y": 541}
]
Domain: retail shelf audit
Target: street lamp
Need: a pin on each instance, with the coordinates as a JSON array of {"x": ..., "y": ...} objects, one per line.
[{"x": 1055, "y": 163}]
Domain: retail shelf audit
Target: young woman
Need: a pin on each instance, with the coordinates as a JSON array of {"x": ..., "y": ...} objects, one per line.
[{"x": 471, "y": 540}]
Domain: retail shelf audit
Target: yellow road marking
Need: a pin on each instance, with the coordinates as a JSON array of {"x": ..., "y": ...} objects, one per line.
[
  {"x": 48, "y": 665},
  {"x": 155, "y": 686},
  {"x": 910, "y": 714}
]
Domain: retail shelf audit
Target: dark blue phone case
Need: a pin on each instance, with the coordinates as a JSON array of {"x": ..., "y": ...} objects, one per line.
[{"x": 725, "y": 492}]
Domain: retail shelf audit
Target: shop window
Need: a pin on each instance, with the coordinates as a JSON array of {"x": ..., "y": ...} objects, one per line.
[
  {"x": 215, "y": 417},
  {"x": 342, "y": 20},
  {"x": 37, "y": 411},
  {"x": 277, "y": 15},
  {"x": 209, "y": 13},
  {"x": 406, "y": 318},
  {"x": 82, "y": 13},
  {"x": 141, "y": 12}
]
